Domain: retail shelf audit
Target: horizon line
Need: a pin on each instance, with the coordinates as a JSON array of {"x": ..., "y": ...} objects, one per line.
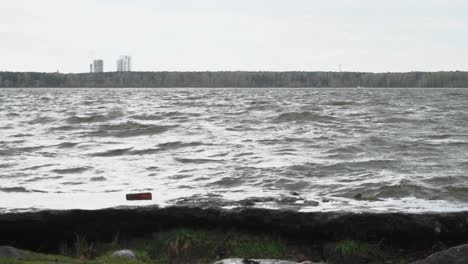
[{"x": 233, "y": 71}]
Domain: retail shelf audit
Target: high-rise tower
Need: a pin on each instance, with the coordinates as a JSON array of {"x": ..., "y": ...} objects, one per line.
[
  {"x": 98, "y": 66},
  {"x": 124, "y": 64}
]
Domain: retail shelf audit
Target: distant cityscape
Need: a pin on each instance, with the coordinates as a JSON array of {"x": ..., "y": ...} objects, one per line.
[{"x": 124, "y": 64}]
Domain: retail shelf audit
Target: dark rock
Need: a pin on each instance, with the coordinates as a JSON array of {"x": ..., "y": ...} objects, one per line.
[
  {"x": 454, "y": 255},
  {"x": 11, "y": 252}
]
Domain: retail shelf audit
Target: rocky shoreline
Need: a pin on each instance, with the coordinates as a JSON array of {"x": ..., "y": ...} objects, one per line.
[{"x": 403, "y": 230}]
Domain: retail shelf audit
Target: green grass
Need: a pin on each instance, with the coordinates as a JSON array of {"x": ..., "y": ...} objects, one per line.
[
  {"x": 180, "y": 245},
  {"x": 173, "y": 247},
  {"x": 352, "y": 251},
  {"x": 201, "y": 246},
  {"x": 56, "y": 259},
  {"x": 348, "y": 247}
]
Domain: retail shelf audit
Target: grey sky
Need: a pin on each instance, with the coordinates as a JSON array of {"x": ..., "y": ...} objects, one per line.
[{"x": 309, "y": 35}]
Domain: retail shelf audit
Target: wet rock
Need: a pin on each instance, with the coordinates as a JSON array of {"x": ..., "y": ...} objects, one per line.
[
  {"x": 124, "y": 253},
  {"x": 11, "y": 252},
  {"x": 454, "y": 255},
  {"x": 261, "y": 261}
]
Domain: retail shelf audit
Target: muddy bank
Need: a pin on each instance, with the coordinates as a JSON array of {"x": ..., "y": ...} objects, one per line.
[{"x": 46, "y": 230}]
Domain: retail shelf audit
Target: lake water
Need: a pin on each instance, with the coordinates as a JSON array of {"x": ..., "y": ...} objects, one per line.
[{"x": 349, "y": 149}]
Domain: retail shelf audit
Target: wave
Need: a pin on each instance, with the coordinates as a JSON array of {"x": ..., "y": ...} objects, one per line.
[
  {"x": 130, "y": 129},
  {"x": 148, "y": 151},
  {"x": 345, "y": 150},
  {"x": 405, "y": 189},
  {"x": 35, "y": 179},
  {"x": 440, "y": 136},
  {"x": 310, "y": 169},
  {"x": 112, "y": 152},
  {"x": 126, "y": 126},
  {"x": 6, "y": 165},
  {"x": 361, "y": 164},
  {"x": 405, "y": 120},
  {"x": 96, "y": 118},
  {"x": 147, "y": 117},
  {"x": 41, "y": 120},
  {"x": 64, "y": 128},
  {"x": 177, "y": 114},
  {"x": 196, "y": 161},
  {"x": 164, "y": 115},
  {"x": 86, "y": 119},
  {"x": 20, "y": 150},
  {"x": 95, "y": 179},
  {"x": 178, "y": 145},
  {"x": 340, "y": 103},
  {"x": 161, "y": 147},
  {"x": 72, "y": 183},
  {"x": 18, "y": 190},
  {"x": 71, "y": 170},
  {"x": 37, "y": 167},
  {"x": 67, "y": 145},
  {"x": 286, "y": 140},
  {"x": 302, "y": 117},
  {"x": 240, "y": 128},
  {"x": 144, "y": 151},
  {"x": 22, "y": 135},
  {"x": 227, "y": 182},
  {"x": 302, "y": 167}
]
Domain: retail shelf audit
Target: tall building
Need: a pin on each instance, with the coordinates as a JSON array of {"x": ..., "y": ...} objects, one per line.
[
  {"x": 124, "y": 64},
  {"x": 98, "y": 66}
]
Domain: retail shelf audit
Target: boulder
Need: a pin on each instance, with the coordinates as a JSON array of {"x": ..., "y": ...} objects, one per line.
[
  {"x": 124, "y": 253},
  {"x": 11, "y": 252},
  {"x": 261, "y": 261},
  {"x": 454, "y": 255}
]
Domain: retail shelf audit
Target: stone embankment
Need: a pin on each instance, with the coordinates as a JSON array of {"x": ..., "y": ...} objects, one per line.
[
  {"x": 47, "y": 230},
  {"x": 28, "y": 230}
]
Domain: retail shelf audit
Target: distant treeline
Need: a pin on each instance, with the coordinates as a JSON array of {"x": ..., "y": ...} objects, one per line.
[{"x": 235, "y": 79}]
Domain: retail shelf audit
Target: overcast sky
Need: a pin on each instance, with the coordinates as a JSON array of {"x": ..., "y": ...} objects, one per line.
[{"x": 199, "y": 35}]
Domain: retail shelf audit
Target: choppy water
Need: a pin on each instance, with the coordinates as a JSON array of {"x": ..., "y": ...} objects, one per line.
[{"x": 401, "y": 149}]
